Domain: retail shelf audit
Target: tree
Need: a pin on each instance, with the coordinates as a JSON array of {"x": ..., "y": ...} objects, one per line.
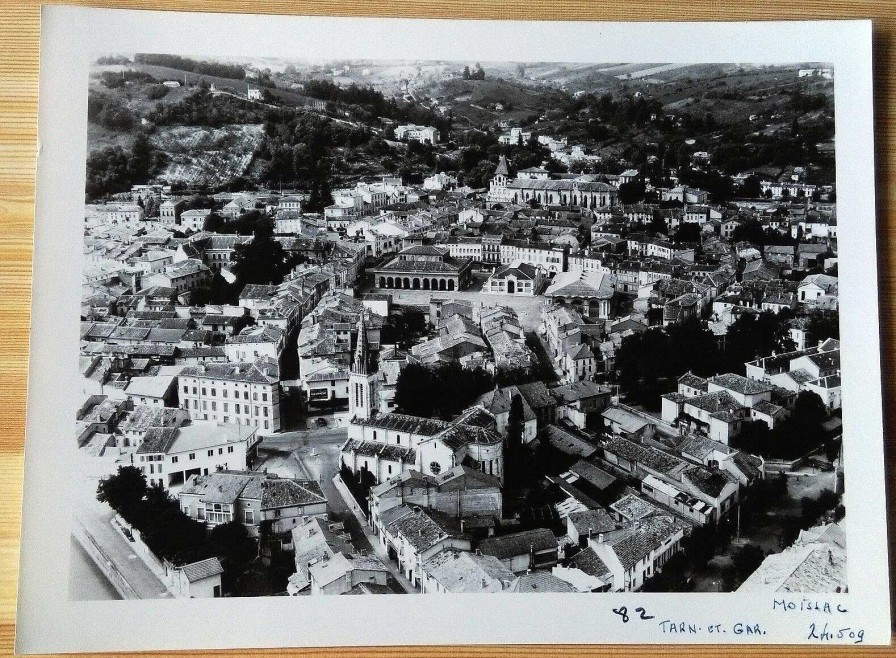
[
  {"x": 515, "y": 421},
  {"x": 746, "y": 560},
  {"x": 754, "y": 437},
  {"x": 823, "y": 326},
  {"x": 231, "y": 542},
  {"x": 632, "y": 192},
  {"x": 466, "y": 73},
  {"x": 262, "y": 260},
  {"x": 753, "y": 335},
  {"x": 687, "y": 233},
  {"x": 751, "y": 187},
  {"x": 123, "y": 490}
]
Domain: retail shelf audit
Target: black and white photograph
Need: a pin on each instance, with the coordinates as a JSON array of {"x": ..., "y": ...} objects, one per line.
[
  {"x": 390, "y": 325},
  {"x": 375, "y": 327}
]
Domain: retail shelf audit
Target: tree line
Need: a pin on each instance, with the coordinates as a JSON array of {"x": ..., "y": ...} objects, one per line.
[
  {"x": 169, "y": 533},
  {"x": 216, "y": 69}
]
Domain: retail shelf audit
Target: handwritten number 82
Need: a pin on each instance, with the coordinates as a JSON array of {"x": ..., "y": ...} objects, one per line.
[{"x": 622, "y": 611}]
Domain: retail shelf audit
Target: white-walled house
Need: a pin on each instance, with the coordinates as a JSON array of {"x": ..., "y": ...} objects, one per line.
[{"x": 169, "y": 456}]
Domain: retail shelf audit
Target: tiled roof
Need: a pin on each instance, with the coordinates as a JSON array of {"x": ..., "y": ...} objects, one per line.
[
  {"x": 649, "y": 535},
  {"x": 385, "y": 451},
  {"x": 647, "y": 456},
  {"x": 519, "y": 543},
  {"x": 593, "y": 475},
  {"x": 718, "y": 402},
  {"x": 708, "y": 481},
  {"x": 567, "y": 442},
  {"x": 693, "y": 381},
  {"x": 633, "y": 507},
  {"x": 464, "y": 572},
  {"x": 589, "y": 562},
  {"x": 578, "y": 283},
  {"x": 740, "y": 384},
  {"x": 262, "y": 371},
  {"x": 404, "y": 423},
  {"x": 423, "y": 529},
  {"x": 579, "y": 390},
  {"x": 595, "y": 521},
  {"x": 700, "y": 447},
  {"x": 202, "y": 569},
  {"x": 539, "y": 582}
]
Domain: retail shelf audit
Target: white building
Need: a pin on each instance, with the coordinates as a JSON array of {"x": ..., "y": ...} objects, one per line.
[
  {"x": 168, "y": 456},
  {"x": 236, "y": 393},
  {"x": 414, "y": 133}
]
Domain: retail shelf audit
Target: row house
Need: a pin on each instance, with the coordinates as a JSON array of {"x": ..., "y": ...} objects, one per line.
[{"x": 246, "y": 393}]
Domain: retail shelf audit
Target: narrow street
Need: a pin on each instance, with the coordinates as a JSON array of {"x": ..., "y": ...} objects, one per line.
[{"x": 314, "y": 455}]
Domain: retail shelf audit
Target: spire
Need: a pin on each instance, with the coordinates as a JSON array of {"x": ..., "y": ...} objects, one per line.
[
  {"x": 502, "y": 169},
  {"x": 360, "y": 366}
]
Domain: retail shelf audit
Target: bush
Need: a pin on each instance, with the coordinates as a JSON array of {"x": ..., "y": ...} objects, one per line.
[{"x": 156, "y": 92}]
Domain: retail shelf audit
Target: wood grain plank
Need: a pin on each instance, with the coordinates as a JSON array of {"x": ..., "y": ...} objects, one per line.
[{"x": 19, "y": 57}]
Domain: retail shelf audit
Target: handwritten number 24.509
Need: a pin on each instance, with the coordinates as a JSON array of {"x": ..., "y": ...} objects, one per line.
[{"x": 622, "y": 611}]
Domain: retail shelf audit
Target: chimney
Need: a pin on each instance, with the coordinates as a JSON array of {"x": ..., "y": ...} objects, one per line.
[{"x": 600, "y": 538}]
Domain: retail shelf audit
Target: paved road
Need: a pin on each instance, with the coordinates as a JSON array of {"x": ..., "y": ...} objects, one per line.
[
  {"x": 95, "y": 519},
  {"x": 319, "y": 460}
]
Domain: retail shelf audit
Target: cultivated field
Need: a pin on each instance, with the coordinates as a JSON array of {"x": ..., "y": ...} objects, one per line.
[{"x": 207, "y": 156}]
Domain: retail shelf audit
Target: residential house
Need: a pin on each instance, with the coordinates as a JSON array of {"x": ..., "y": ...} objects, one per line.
[
  {"x": 253, "y": 499},
  {"x": 455, "y": 571},
  {"x": 521, "y": 551},
  {"x": 169, "y": 455}
]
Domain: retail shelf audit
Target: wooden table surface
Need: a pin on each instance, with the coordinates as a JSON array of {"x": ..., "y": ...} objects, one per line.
[{"x": 19, "y": 40}]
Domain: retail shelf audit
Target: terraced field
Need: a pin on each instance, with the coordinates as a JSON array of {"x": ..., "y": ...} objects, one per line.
[{"x": 207, "y": 156}]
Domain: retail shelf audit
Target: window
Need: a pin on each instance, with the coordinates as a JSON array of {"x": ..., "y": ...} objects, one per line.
[
  {"x": 266, "y": 425},
  {"x": 229, "y": 448},
  {"x": 214, "y": 407},
  {"x": 220, "y": 451},
  {"x": 264, "y": 397},
  {"x": 277, "y": 513},
  {"x": 224, "y": 394},
  {"x": 174, "y": 459},
  {"x": 194, "y": 390},
  {"x": 218, "y": 512},
  {"x": 225, "y": 406},
  {"x": 236, "y": 408},
  {"x": 186, "y": 389},
  {"x": 265, "y": 410},
  {"x": 211, "y": 453},
  {"x": 250, "y": 516},
  {"x": 203, "y": 390},
  {"x": 192, "y": 455},
  {"x": 245, "y": 395},
  {"x": 255, "y": 396}
]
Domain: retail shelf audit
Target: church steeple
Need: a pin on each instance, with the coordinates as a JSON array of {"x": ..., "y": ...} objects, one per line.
[
  {"x": 363, "y": 390},
  {"x": 361, "y": 349},
  {"x": 502, "y": 169}
]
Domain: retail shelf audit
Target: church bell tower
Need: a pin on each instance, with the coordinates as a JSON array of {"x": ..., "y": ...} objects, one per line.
[{"x": 362, "y": 397}]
